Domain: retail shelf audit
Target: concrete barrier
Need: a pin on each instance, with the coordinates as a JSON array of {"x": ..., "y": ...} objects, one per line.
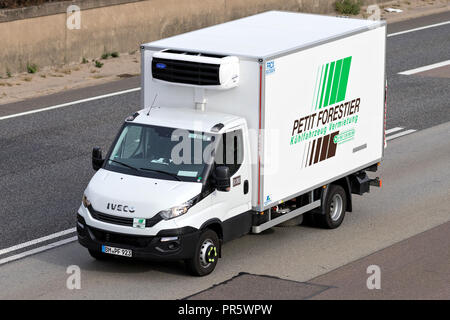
[{"x": 39, "y": 35}]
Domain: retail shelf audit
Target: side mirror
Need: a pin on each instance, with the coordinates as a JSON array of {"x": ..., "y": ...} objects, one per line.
[
  {"x": 97, "y": 158},
  {"x": 222, "y": 177}
]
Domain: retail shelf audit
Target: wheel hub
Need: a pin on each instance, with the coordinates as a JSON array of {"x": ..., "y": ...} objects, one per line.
[
  {"x": 208, "y": 253},
  {"x": 336, "y": 207}
]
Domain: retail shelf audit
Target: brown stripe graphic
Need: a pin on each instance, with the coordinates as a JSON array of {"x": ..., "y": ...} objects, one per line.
[
  {"x": 307, "y": 155},
  {"x": 332, "y": 147},
  {"x": 319, "y": 144},
  {"x": 326, "y": 141},
  {"x": 312, "y": 152},
  {"x": 322, "y": 148}
]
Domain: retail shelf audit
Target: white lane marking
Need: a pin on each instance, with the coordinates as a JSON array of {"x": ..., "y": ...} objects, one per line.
[
  {"x": 69, "y": 103},
  {"x": 417, "y": 29},
  {"x": 37, "y": 250},
  {"x": 400, "y": 134},
  {"x": 36, "y": 241},
  {"x": 394, "y": 130},
  {"x": 425, "y": 68}
]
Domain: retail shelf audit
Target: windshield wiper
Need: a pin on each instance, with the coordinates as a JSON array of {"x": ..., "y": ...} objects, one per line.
[
  {"x": 124, "y": 164},
  {"x": 164, "y": 172},
  {"x": 147, "y": 169}
]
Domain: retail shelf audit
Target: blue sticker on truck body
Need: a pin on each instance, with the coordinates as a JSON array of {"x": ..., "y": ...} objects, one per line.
[{"x": 270, "y": 67}]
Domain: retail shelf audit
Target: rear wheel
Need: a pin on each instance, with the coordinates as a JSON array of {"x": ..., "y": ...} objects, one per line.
[
  {"x": 206, "y": 254},
  {"x": 335, "y": 204}
]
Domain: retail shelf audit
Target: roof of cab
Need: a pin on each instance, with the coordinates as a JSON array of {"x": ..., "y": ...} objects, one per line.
[
  {"x": 266, "y": 34},
  {"x": 189, "y": 119}
]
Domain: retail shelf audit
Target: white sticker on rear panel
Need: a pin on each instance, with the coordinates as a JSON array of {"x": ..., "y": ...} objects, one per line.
[{"x": 187, "y": 173}]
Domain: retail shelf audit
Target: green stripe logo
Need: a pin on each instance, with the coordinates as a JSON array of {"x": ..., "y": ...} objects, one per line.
[{"x": 332, "y": 84}]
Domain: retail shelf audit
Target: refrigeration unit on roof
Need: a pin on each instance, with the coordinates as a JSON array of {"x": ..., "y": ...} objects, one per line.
[{"x": 196, "y": 69}]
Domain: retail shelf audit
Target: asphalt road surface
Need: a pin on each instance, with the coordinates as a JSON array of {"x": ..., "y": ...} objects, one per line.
[{"x": 46, "y": 166}]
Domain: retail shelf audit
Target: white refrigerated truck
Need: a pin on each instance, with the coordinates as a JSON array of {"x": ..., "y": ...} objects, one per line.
[{"x": 244, "y": 125}]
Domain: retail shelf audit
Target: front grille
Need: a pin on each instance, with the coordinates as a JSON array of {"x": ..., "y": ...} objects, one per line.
[
  {"x": 121, "y": 239},
  {"x": 110, "y": 218},
  {"x": 188, "y": 72},
  {"x": 123, "y": 221}
]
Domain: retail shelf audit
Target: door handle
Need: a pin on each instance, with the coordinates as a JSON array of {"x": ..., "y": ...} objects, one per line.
[{"x": 245, "y": 186}]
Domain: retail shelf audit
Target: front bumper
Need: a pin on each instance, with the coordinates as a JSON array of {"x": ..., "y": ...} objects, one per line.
[{"x": 143, "y": 247}]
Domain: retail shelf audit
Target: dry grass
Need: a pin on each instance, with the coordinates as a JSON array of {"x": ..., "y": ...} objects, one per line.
[
  {"x": 63, "y": 70},
  {"x": 54, "y": 78}
]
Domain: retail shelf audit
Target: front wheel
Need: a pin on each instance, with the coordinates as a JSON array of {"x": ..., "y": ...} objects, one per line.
[
  {"x": 335, "y": 204},
  {"x": 206, "y": 254}
]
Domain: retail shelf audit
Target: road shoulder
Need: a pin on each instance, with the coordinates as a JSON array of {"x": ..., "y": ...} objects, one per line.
[{"x": 415, "y": 268}]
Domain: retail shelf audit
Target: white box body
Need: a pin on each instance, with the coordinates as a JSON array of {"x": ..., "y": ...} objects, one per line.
[{"x": 281, "y": 81}]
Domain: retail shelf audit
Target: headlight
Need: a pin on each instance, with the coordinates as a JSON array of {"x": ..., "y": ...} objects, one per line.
[
  {"x": 176, "y": 211},
  {"x": 86, "y": 202}
]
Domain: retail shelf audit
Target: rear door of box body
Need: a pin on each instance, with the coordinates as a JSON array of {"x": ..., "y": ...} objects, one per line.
[{"x": 323, "y": 114}]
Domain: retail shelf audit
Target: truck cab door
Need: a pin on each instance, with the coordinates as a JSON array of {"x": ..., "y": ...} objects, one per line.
[{"x": 233, "y": 152}]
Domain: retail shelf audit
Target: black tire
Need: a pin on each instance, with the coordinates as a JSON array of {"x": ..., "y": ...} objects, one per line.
[
  {"x": 99, "y": 255},
  {"x": 335, "y": 204},
  {"x": 206, "y": 254}
]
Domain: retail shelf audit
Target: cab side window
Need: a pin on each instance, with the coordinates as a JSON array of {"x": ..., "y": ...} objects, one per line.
[
  {"x": 131, "y": 143},
  {"x": 230, "y": 151}
]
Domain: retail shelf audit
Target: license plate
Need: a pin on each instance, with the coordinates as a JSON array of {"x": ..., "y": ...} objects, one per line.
[{"x": 117, "y": 251}]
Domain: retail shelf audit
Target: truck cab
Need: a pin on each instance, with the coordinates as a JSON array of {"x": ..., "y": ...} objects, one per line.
[{"x": 164, "y": 163}]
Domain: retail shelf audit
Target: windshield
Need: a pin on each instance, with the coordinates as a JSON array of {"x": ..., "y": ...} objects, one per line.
[{"x": 162, "y": 153}]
